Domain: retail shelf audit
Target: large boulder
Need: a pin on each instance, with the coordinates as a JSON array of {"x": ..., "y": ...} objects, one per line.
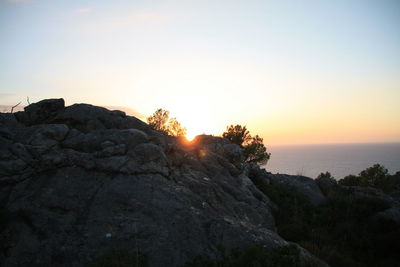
[
  {"x": 87, "y": 118},
  {"x": 41, "y": 112},
  {"x": 83, "y": 117},
  {"x": 300, "y": 184}
]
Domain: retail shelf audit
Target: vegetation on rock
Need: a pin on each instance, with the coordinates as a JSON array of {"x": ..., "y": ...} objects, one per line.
[
  {"x": 254, "y": 150},
  {"x": 376, "y": 176},
  {"x": 326, "y": 175},
  {"x": 71, "y": 175},
  {"x": 161, "y": 121},
  {"x": 343, "y": 232}
]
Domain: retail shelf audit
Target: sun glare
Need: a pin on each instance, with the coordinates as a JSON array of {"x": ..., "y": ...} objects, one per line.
[
  {"x": 195, "y": 113},
  {"x": 190, "y": 135}
]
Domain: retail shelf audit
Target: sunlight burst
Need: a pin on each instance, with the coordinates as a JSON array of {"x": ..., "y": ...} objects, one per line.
[{"x": 190, "y": 135}]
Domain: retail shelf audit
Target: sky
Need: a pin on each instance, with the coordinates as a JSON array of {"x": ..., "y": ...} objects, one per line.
[{"x": 293, "y": 72}]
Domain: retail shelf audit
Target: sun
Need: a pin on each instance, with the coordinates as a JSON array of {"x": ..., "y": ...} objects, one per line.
[
  {"x": 196, "y": 114},
  {"x": 190, "y": 135}
]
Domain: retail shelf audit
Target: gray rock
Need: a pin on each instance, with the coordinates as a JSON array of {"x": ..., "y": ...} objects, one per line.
[
  {"x": 8, "y": 167},
  {"x": 302, "y": 185},
  {"x": 100, "y": 139},
  {"x": 41, "y": 112},
  {"x": 84, "y": 180},
  {"x": 47, "y": 134},
  {"x": 111, "y": 151},
  {"x": 87, "y": 118}
]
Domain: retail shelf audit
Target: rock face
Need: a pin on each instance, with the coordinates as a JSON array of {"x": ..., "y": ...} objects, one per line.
[{"x": 76, "y": 181}]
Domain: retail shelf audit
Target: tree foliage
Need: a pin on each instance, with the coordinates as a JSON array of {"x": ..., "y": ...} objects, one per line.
[
  {"x": 253, "y": 147},
  {"x": 161, "y": 121},
  {"x": 342, "y": 231},
  {"x": 371, "y": 176},
  {"x": 326, "y": 175},
  {"x": 237, "y": 134},
  {"x": 375, "y": 176}
]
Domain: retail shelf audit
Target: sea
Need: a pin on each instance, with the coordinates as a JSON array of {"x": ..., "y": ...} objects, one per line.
[{"x": 339, "y": 159}]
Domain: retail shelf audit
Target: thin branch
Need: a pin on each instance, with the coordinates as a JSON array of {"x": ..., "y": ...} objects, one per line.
[{"x": 12, "y": 109}]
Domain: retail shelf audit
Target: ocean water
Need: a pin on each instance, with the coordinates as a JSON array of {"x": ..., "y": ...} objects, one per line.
[{"x": 339, "y": 159}]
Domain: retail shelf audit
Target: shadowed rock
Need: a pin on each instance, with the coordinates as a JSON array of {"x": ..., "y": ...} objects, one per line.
[
  {"x": 76, "y": 181},
  {"x": 299, "y": 184},
  {"x": 41, "y": 112}
]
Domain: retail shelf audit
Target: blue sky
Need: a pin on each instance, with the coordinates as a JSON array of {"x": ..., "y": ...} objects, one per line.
[{"x": 293, "y": 71}]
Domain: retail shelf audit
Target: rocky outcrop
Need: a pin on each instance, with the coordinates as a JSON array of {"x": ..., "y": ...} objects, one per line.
[
  {"x": 76, "y": 181},
  {"x": 83, "y": 117},
  {"x": 299, "y": 184}
]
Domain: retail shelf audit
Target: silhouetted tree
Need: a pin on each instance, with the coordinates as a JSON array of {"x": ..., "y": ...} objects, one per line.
[
  {"x": 254, "y": 150},
  {"x": 350, "y": 180},
  {"x": 237, "y": 134},
  {"x": 160, "y": 121},
  {"x": 373, "y": 175},
  {"x": 175, "y": 128},
  {"x": 325, "y": 175},
  {"x": 376, "y": 176}
]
